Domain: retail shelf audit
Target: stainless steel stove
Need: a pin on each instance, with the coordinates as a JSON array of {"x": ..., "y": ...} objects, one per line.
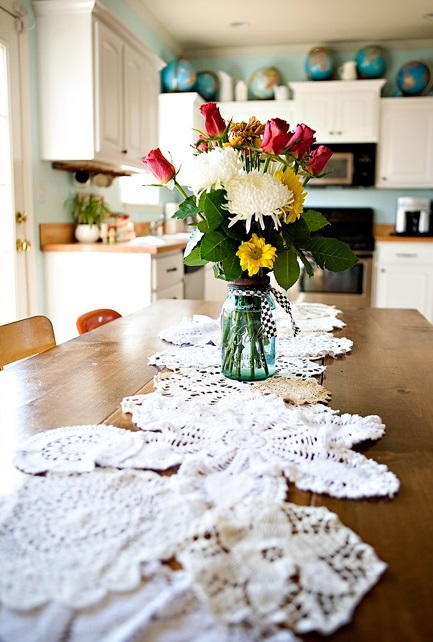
[{"x": 351, "y": 288}]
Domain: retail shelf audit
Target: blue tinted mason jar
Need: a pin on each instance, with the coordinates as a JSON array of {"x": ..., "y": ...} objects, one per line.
[{"x": 247, "y": 354}]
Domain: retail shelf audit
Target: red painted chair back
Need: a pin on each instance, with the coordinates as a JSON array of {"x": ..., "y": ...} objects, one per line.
[{"x": 95, "y": 318}]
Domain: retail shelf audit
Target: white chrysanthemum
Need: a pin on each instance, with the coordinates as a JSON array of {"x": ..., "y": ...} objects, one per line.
[
  {"x": 255, "y": 195},
  {"x": 212, "y": 169}
]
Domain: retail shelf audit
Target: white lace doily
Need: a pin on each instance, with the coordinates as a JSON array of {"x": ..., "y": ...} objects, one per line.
[
  {"x": 72, "y": 539},
  {"x": 197, "y": 330},
  {"x": 77, "y": 449},
  {"x": 243, "y": 431},
  {"x": 305, "y": 311},
  {"x": 279, "y": 563},
  {"x": 314, "y": 346},
  {"x": 210, "y": 356}
]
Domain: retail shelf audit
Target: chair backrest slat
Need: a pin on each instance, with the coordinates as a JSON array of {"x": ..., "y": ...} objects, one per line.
[{"x": 25, "y": 338}]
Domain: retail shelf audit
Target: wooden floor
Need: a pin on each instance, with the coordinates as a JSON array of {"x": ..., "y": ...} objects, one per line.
[{"x": 389, "y": 373}]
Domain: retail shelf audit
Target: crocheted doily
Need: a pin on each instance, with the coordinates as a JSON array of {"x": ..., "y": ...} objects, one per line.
[
  {"x": 208, "y": 356},
  {"x": 77, "y": 449},
  {"x": 197, "y": 330},
  {"x": 71, "y": 539},
  {"x": 296, "y": 391},
  {"x": 279, "y": 563},
  {"x": 314, "y": 345},
  {"x": 244, "y": 431}
]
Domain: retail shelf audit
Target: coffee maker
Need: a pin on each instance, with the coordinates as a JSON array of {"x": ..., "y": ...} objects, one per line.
[{"x": 413, "y": 217}]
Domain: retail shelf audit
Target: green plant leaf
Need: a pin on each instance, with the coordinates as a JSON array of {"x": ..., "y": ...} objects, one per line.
[
  {"x": 332, "y": 254},
  {"x": 203, "y": 226},
  {"x": 308, "y": 267},
  {"x": 297, "y": 233},
  {"x": 315, "y": 220},
  {"x": 210, "y": 204},
  {"x": 215, "y": 246},
  {"x": 193, "y": 259},
  {"x": 237, "y": 231},
  {"x": 187, "y": 208},
  {"x": 231, "y": 268},
  {"x": 286, "y": 268}
]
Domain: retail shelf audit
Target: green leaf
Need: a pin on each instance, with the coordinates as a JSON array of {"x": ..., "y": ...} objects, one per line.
[
  {"x": 236, "y": 231},
  {"x": 193, "y": 259},
  {"x": 332, "y": 254},
  {"x": 297, "y": 233},
  {"x": 187, "y": 208},
  {"x": 231, "y": 268},
  {"x": 210, "y": 204},
  {"x": 286, "y": 268},
  {"x": 203, "y": 226},
  {"x": 215, "y": 246},
  {"x": 314, "y": 220},
  {"x": 308, "y": 267}
]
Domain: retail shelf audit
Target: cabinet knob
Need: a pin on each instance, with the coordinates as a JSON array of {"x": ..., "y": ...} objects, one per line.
[
  {"x": 339, "y": 133},
  {"x": 331, "y": 133},
  {"x": 382, "y": 270},
  {"x": 384, "y": 178},
  {"x": 124, "y": 151}
]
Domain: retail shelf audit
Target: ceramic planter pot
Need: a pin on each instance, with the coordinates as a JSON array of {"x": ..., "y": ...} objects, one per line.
[{"x": 87, "y": 233}]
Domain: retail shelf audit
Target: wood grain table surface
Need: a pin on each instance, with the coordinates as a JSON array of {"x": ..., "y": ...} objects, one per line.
[{"x": 389, "y": 373}]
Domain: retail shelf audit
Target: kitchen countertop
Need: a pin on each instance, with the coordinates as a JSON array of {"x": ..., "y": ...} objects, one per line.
[
  {"x": 138, "y": 246},
  {"x": 383, "y": 232}
]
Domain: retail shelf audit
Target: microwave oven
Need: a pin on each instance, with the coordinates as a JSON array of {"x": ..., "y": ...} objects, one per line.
[{"x": 351, "y": 165}]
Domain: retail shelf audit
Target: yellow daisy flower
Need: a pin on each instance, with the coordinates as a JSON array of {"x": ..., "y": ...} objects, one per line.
[
  {"x": 255, "y": 254},
  {"x": 289, "y": 178}
]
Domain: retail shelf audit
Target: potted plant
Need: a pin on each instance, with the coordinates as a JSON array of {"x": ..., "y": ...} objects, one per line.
[{"x": 88, "y": 210}]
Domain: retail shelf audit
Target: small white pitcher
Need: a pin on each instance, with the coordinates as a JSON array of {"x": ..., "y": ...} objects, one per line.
[{"x": 347, "y": 71}]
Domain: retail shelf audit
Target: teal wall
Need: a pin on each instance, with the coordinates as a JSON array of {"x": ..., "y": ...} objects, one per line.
[{"x": 291, "y": 67}]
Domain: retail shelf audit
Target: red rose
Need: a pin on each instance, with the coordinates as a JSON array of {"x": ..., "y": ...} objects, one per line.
[
  {"x": 276, "y": 136},
  {"x": 301, "y": 140},
  {"x": 201, "y": 144},
  {"x": 159, "y": 166},
  {"x": 213, "y": 121},
  {"x": 318, "y": 159}
]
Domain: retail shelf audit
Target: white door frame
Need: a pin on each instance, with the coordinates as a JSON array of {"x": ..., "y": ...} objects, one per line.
[{"x": 24, "y": 171}]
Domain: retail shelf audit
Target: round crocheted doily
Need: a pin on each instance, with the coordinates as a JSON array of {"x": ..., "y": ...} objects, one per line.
[{"x": 295, "y": 391}]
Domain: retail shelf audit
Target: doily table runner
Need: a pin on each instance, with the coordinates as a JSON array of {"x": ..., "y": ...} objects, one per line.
[{"x": 91, "y": 535}]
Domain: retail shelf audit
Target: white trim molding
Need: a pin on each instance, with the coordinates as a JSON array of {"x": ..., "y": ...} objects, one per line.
[{"x": 303, "y": 48}]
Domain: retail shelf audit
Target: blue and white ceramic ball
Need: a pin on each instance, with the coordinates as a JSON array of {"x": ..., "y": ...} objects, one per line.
[
  {"x": 178, "y": 75},
  {"x": 263, "y": 81},
  {"x": 414, "y": 78},
  {"x": 207, "y": 85},
  {"x": 320, "y": 64},
  {"x": 370, "y": 62}
]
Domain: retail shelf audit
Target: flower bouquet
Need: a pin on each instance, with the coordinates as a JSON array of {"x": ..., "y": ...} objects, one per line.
[{"x": 248, "y": 190}]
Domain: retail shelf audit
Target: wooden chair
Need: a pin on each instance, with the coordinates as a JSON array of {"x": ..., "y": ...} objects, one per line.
[
  {"x": 25, "y": 338},
  {"x": 95, "y": 318}
]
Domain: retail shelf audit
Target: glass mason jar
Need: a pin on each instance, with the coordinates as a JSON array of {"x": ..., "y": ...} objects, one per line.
[{"x": 246, "y": 353}]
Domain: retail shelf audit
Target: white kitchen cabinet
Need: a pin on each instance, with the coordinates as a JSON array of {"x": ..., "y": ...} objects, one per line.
[
  {"x": 405, "y": 150},
  {"x": 339, "y": 111},
  {"x": 403, "y": 276},
  {"x": 98, "y": 86},
  {"x": 263, "y": 110},
  {"x": 79, "y": 281},
  {"x": 179, "y": 119}
]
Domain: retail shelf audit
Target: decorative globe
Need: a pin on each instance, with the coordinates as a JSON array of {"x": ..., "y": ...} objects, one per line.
[
  {"x": 320, "y": 64},
  {"x": 263, "y": 81},
  {"x": 370, "y": 62},
  {"x": 207, "y": 85},
  {"x": 178, "y": 75},
  {"x": 414, "y": 78}
]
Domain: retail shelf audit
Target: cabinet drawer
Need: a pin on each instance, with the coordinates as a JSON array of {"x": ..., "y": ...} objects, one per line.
[
  {"x": 167, "y": 270},
  {"x": 173, "y": 292},
  {"x": 404, "y": 252}
]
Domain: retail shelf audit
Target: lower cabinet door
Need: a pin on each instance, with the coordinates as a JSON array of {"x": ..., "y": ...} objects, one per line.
[
  {"x": 405, "y": 286},
  {"x": 173, "y": 292}
]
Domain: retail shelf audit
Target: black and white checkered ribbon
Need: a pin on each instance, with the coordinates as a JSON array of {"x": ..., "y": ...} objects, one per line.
[{"x": 267, "y": 318}]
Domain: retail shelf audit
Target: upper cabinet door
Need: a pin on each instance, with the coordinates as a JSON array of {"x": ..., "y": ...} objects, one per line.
[
  {"x": 318, "y": 112},
  {"x": 357, "y": 117},
  {"x": 109, "y": 92},
  {"x": 141, "y": 88},
  {"x": 405, "y": 151}
]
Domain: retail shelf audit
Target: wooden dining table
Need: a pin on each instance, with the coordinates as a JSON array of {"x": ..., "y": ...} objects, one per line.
[{"x": 388, "y": 373}]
